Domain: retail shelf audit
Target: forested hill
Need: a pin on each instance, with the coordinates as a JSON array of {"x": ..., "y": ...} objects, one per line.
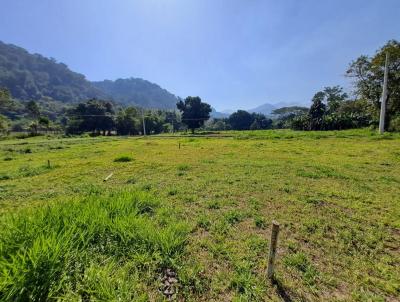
[
  {"x": 136, "y": 91},
  {"x": 32, "y": 77}
]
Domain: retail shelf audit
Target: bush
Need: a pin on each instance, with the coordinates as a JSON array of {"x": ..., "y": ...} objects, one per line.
[
  {"x": 394, "y": 124},
  {"x": 301, "y": 122},
  {"x": 183, "y": 167},
  {"x": 123, "y": 159}
]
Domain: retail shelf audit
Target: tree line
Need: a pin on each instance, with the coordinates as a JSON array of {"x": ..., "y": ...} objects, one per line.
[{"x": 331, "y": 109}]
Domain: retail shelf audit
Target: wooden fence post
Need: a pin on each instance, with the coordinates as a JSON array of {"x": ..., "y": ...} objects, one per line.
[
  {"x": 272, "y": 249},
  {"x": 108, "y": 177}
]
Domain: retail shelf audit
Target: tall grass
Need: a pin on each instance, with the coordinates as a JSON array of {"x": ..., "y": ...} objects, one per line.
[{"x": 108, "y": 247}]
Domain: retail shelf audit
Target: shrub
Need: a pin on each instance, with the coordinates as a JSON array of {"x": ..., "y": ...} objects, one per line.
[
  {"x": 260, "y": 222},
  {"x": 183, "y": 167},
  {"x": 233, "y": 217},
  {"x": 5, "y": 177},
  {"x": 123, "y": 159},
  {"x": 394, "y": 124},
  {"x": 301, "y": 122}
]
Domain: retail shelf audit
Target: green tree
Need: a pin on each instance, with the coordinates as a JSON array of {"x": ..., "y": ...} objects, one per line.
[
  {"x": 260, "y": 121},
  {"x": 44, "y": 121},
  {"x": 291, "y": 110},
  {"x": 33, "y": 109},
  {"x": 334, "y": 98},
  {"x": 194, "y": 112},
  {"x": 94, "y": 115},
  {"x": 367, "y": 73},
  {"x": 217, "y": 124},
  {"x": 286, "y": 115},
  {"x": 300, "y": 122},
  {"x": 33, "y": 128},
  {"x": 241, "y": 120},
  {"x": 5, "y": 99},
  {"x": 172, "y": 118},
  {"x": 128, "y": 121},
  {"x": 317, "y": 111},
  {"x": 154, "y": 123},
  {"x": 4, "y": 125}
]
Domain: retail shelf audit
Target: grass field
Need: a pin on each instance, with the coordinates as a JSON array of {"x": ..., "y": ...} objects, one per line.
[{"x": 201, "y": 213}]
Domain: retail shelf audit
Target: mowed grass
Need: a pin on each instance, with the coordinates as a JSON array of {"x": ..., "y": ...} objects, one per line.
[{"x": 203, "y": 210}]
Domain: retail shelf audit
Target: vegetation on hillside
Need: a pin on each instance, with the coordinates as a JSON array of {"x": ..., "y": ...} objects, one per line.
[
  {"x": 330, "y": 109},
  {"x": 138, "y": 92},
  {"x": 33, "y": 77}
]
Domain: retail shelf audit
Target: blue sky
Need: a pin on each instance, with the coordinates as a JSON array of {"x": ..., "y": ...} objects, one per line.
[{"x": 233, "y": 54}]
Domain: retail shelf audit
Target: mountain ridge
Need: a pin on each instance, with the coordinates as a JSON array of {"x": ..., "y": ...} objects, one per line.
[
  {"x": 31, "y": 76},
  {"x": 137, "y": 91}
]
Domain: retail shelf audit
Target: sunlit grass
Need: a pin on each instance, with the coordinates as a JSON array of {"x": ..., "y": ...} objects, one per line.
[
  {"x": 53, "y": 251},
  {"x": 205, "y": 209}
]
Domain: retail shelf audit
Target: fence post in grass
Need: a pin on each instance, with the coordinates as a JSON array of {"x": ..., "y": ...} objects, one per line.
[
  {"x": 108, "y": 177},
  {"x": 179, "y": 145},
  {"x": 48, "y": 163},
  {"x": 272, "y": 249}
]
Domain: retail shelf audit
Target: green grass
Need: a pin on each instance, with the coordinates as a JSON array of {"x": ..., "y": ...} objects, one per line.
[
  {"x": 106, "y": 247},
  {"x": 204, "y": 210}
]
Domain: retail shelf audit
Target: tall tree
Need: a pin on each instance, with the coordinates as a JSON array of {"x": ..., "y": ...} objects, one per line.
[
  {"x": 194, "y": 112},
  {"x": 5, "y": 99},
  {"x": 334, "y": 98},
  {"x": 260, "y": 121},
  {"x": 317, "y": 111},
  {"x": 241, "y": 120},
  {"x": 94, "y": 115},
  {"x": 128, "y": 121},
  {"x": 286, "y": 115},
  {"x": 33, "y": 109},
  {"x": 367, "y": 73}
]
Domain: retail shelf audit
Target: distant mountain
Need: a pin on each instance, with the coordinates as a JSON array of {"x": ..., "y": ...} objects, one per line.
[
  {"x": 267, "y": 108},
  {"x": 217, "y": 114},
  {"x": 287, "y": 104},
  {"x": 139, "y": 92},
  {"x": 228, "y": 111},
  {"x": 32, "y": 77},
  {"x": 264, "y": 109}
]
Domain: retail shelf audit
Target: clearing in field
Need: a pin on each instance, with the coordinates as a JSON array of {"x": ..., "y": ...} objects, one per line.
[{"x": 190, "y": 217}]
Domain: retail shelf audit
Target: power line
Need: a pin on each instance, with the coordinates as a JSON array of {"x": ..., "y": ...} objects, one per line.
[
  {"x": 195, "y": 119},
  {"x": 109, "y": 115},
  {"x": 72, "y": 115}
]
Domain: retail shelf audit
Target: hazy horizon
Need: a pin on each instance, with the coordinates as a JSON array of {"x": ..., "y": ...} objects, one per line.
[{"x": 233, "y": 54}]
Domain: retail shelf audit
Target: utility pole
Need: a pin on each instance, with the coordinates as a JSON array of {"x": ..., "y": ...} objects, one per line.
[
  {"x": 384, "y": 97},
  {"x": 144, "y": 125}
]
